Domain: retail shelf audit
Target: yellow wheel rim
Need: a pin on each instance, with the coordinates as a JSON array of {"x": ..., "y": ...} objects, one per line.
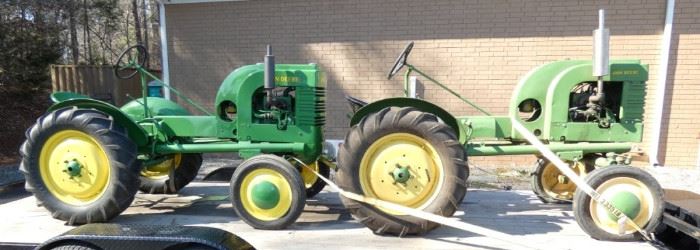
[
  {"x": 402, "y": 150},
  {"x": 58, "y": 159},
  {"x": 309, "y": 177},
  {"x": 266, "y": 175},
  {"x": 608, "y": 189},
  {"x": 556, "y": 185},
  {"x": 162, "y": 170}
]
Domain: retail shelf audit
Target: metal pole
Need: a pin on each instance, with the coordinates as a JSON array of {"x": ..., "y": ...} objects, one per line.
[
  {"x": 164, "y": 51},
  {"x": 410, "y": 67},
  {"x": 661, "y": 86}
]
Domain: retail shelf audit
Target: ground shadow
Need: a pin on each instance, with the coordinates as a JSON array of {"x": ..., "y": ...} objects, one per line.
[
  {"x": 13, "y": 192},
  {"x": 322, "y": 212},
  {"x": 508, "y": 212}
]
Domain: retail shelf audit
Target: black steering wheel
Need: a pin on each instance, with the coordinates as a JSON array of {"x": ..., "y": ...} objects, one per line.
[
  {"x": 125, "y": 67},
  {"x": 400, "y": 61}
]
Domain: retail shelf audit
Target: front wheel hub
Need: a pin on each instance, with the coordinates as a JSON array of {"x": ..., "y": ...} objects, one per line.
[
  {"x": 627, "y": 203},
  {"x": 265, "y": 195}
]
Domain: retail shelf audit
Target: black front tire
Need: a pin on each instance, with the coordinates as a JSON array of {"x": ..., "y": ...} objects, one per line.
[
  {"x": 423, "y": 125},
  {"x": 582, "y": 202},
  {"x": 291, "y": 177},
  {"x": 183, "y": 175},
  {"x": 123, "y": 181}
]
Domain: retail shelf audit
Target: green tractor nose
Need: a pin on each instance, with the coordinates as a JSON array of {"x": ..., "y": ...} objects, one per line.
[{"x": 265, "y": 195}]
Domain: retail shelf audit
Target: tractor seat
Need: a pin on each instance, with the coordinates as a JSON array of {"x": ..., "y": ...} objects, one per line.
[{"x": 355, "y": 104}]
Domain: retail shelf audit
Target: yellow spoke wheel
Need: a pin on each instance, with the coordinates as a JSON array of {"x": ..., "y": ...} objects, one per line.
[
  {"x": 632, "y": 191},
  {"x": 308, "y": 176},
  {"x": 156, "y": 178},
  {"x": 162, "y": 169},
  {"x": 74, "y": 167},
  {"x": 312, "y": 183},
  {"x": 551, "y": 185},
  {"x": 401, "y": 168},
  {"x": 267, "y": 192}
]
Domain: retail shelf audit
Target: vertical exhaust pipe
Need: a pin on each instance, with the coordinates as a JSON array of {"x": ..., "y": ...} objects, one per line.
[
  {"x": 601, "y": 65},
  {"x": 269, "y": 74}
]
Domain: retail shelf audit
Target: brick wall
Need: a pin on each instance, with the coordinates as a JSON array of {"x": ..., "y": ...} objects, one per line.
[{"x": 478, "y": 48}]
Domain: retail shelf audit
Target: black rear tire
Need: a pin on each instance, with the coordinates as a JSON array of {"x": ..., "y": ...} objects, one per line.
[
  {"x": 446, "y": 198},
  {"x": 184, "y": 174},
  {"x": 583, "y": 202},
  {"x": 119, "y": 190}
]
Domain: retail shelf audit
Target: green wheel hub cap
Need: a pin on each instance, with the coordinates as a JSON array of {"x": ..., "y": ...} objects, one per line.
[
  {"x": 401, "y": 174},
  {"x": 265, "y": 195},
  {"x": 627, "y": 203},
  {"x": 72, "y": 168}
]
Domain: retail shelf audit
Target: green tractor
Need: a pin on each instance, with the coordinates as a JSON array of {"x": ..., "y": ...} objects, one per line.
[
  {"x": 84, "y": 160},
  {"x": 414, "y": 153}
]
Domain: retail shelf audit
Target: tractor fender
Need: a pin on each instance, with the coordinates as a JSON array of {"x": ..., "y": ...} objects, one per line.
[
  {"x": 136, "y": 133},
  {"x": 156, "y": 106},
  {"x": 419, "y": 104}
]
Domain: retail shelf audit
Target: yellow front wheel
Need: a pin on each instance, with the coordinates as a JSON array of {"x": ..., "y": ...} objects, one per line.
[
  {"x": 170, "y": 173},
  {"x": 551, "y": 186},
  {"x": 312, "y": 183},
  {"x": 267, "y": 192},
  {"x": 632, "y": 191},
  {"x": 79, "y": 165},
  {"x": 407, "y": 157}
]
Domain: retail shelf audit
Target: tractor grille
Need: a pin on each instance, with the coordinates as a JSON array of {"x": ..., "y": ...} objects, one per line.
[{"x": 311, "y": 106}]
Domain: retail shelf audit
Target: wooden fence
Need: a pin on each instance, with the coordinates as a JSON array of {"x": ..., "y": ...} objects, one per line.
[{"x": 97, "y": 82}]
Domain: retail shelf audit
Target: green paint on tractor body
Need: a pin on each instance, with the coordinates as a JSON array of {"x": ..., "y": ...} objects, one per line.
[
  {"x": 243, "y": 121},
  {"x": 545, "y": 101}
]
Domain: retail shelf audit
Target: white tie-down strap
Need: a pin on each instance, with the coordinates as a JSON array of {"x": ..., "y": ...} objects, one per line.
[
  {"x": 421, "y": 214},
  {"x": 580, "y": 183}
]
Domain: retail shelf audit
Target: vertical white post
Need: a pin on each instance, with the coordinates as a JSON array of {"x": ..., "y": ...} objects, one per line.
[
  {"x": 698, "y": 160},
  {"x": 661, "y": 86},
  {"x": 697, "y": 163},
  {"x": 164, "y": 51},
  {"x": 412, "y": 83}
]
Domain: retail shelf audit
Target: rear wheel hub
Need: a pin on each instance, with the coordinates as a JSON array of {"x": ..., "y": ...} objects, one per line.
[
  {"x": 401, "y": 174},
  {"x": 73, "y": 168}
]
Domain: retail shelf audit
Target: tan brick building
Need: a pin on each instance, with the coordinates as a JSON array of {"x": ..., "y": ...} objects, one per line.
[{"x": 479, "y": 48}]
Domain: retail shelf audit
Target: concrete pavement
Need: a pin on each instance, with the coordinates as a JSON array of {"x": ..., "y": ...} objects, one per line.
[{"x": 325, "y": 224}]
